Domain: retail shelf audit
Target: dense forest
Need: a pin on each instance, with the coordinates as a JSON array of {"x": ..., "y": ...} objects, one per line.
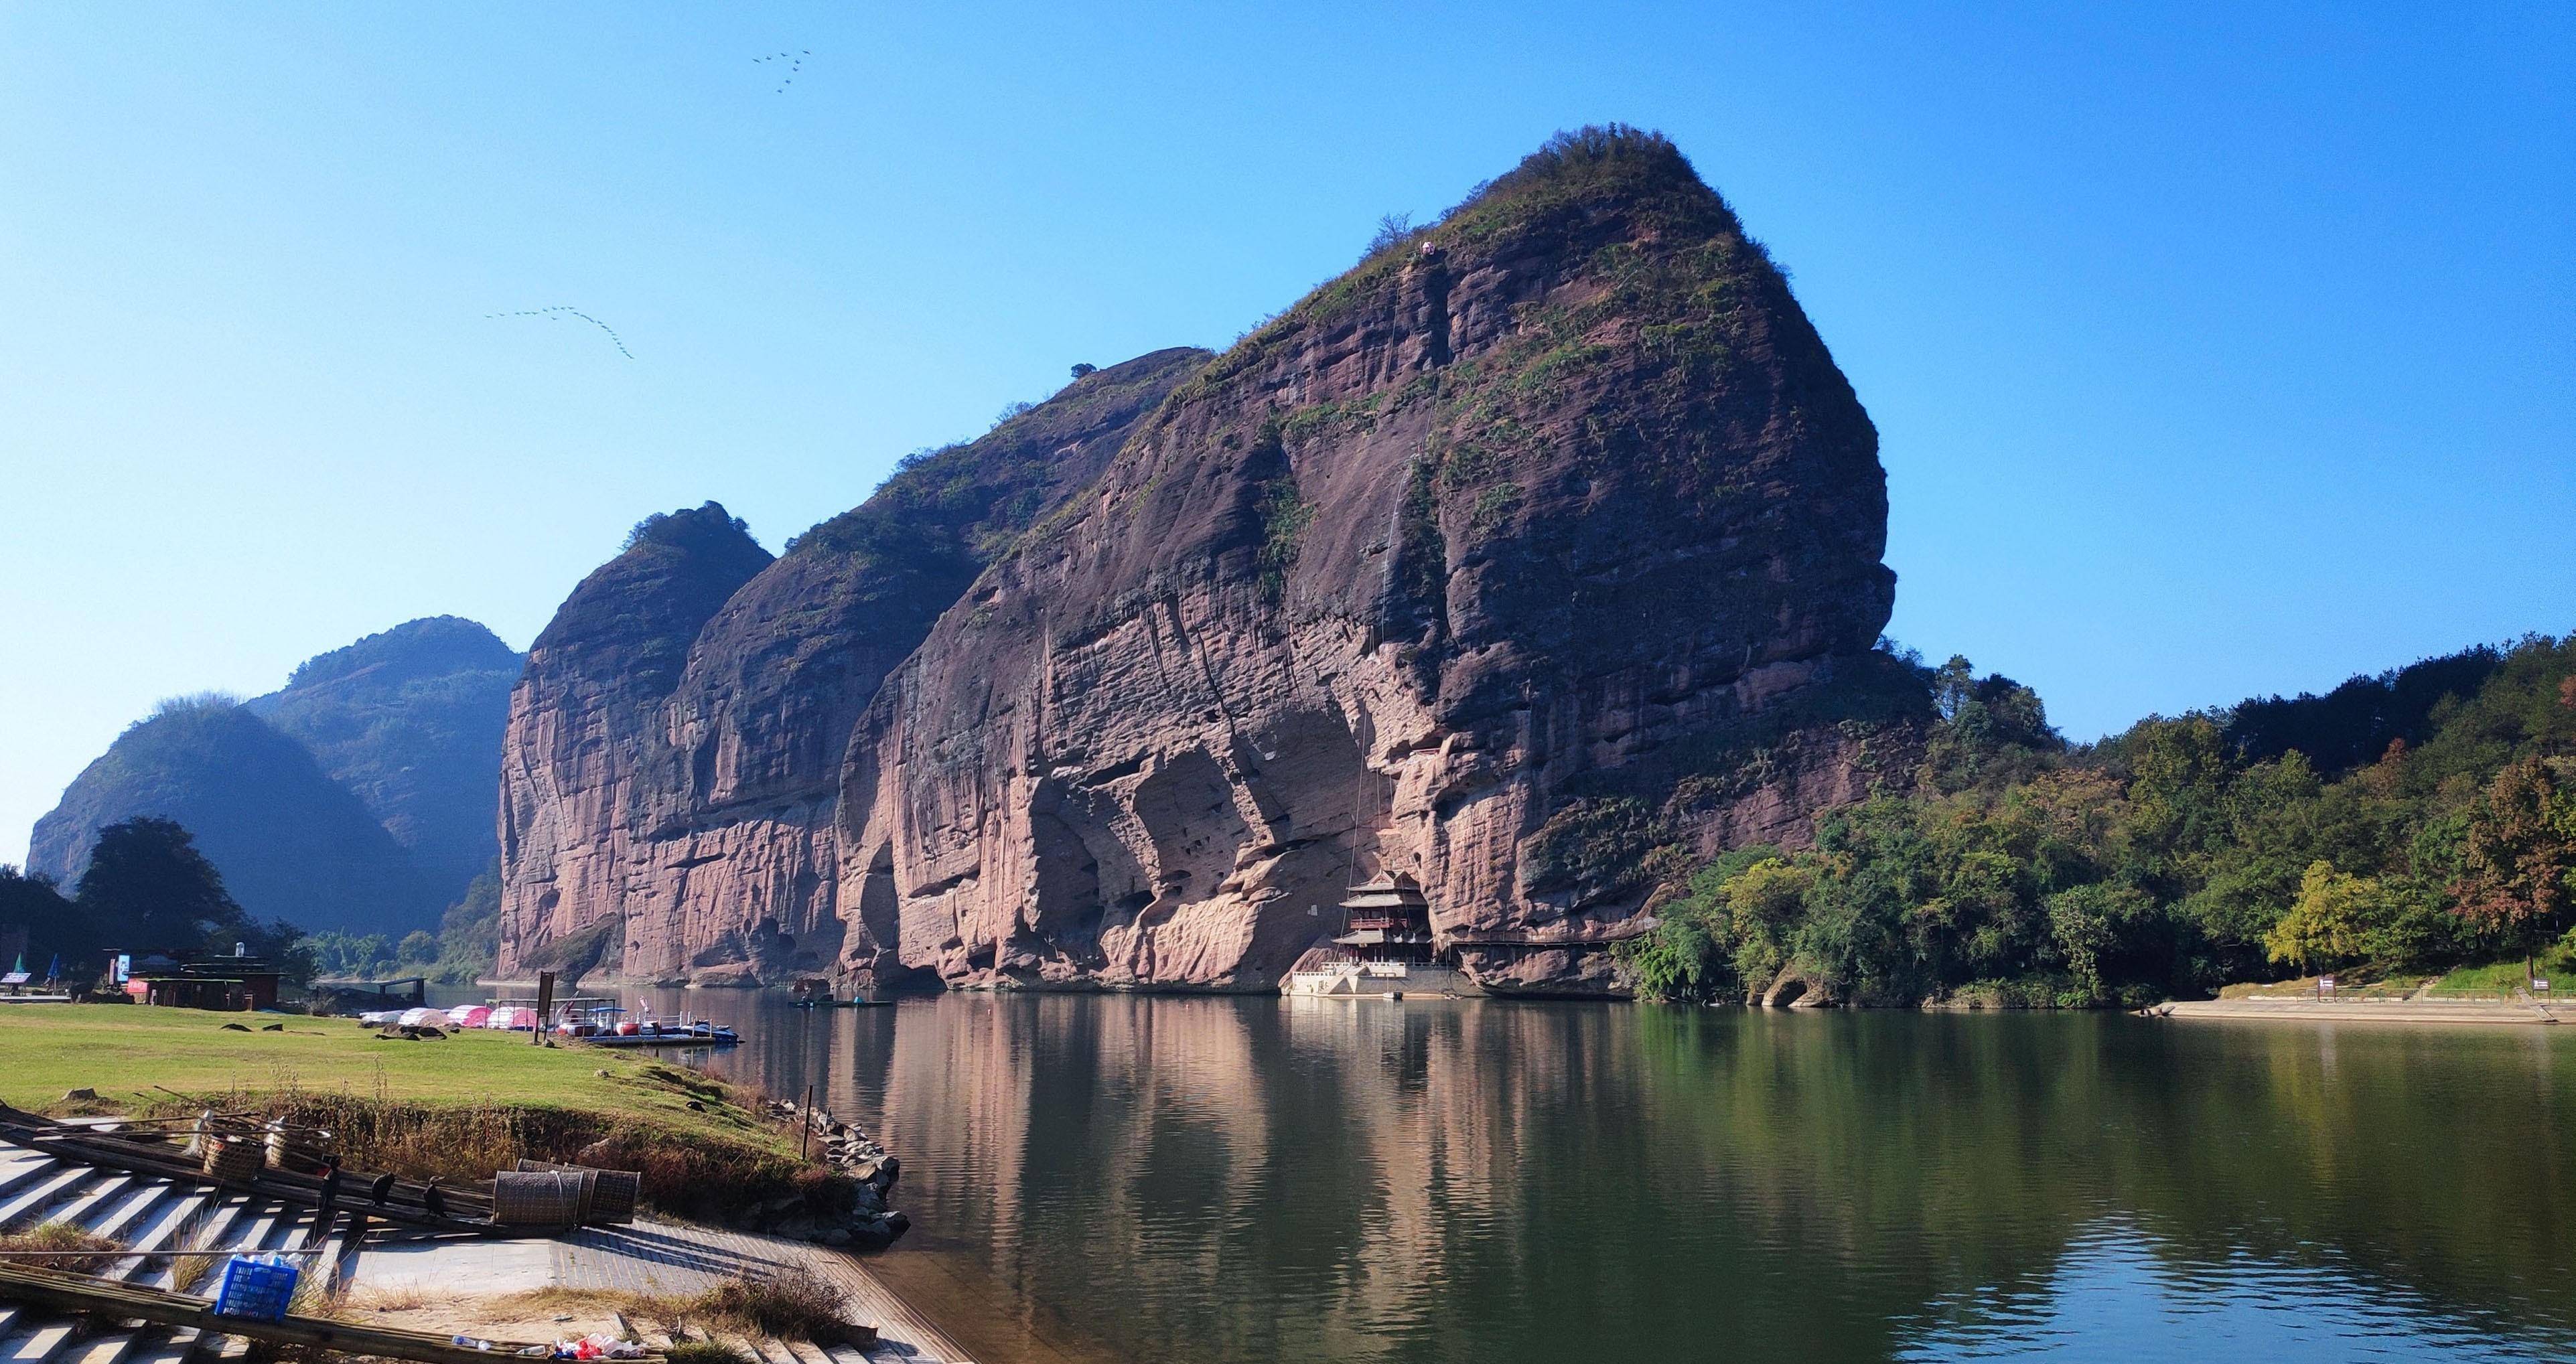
[{"x": 2402, "y": 824}]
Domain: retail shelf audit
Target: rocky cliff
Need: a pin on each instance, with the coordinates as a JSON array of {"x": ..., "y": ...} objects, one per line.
[
  {"x": 581, "y": 731},
  {"x": 1545, "y": 537},
  {"x": 697, "y": 811}
]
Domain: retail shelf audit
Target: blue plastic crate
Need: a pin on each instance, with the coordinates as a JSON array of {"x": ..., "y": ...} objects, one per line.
[{"x": 257, "y": 1287}]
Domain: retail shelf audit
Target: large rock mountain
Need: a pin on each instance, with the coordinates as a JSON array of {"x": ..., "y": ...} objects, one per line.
[
  {"x": 291, "y": 842},
  {"x": 359, "y": 796},
  {"x": 1474, "y": 565},
  {"x": 675, "y": 750},
  {"x": 1545, "y": 537},
  {"x": 410, "y": 721}
]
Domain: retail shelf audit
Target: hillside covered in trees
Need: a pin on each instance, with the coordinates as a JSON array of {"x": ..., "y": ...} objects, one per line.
[
  {"x": 2404, "y": 823},
  {"x": 358, "y": 799}
]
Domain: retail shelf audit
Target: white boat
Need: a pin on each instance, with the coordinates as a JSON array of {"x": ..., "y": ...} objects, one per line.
[{"x": 610, "y": 1027}]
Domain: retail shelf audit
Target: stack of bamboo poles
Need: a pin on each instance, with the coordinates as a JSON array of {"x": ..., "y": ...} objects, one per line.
[{"x": 150, "y": 1150}]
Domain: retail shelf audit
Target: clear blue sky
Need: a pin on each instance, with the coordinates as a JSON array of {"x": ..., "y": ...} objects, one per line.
[{"x": 2214, "y": 352}]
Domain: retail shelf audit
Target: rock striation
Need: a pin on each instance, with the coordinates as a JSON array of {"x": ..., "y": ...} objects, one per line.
[
  {"x": 579, "y": 742},
  {"x": 1491, "y": 563},
  {"x": 697, "y": 809},
  {"x": 1539, "y": 549}
]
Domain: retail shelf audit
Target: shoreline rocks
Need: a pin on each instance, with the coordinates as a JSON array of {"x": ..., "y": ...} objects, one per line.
[{"x": 872, "y": 1225}]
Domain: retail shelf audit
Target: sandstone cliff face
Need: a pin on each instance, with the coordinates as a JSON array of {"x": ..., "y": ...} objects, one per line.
[
  {"x": 579, "y": 737},
  {"x": 1523, "y": 537},
  {"x": 716, "y": 851}
]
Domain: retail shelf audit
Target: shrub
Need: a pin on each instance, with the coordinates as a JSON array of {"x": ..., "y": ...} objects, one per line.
[
  {"x": 60, "y": 1245},
  {"x": 790, "y": 1304}
]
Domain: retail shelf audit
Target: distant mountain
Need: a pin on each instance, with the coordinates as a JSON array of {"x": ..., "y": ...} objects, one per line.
[
  {"x": 291, "y": 842},
  {"x": 359, "y": 796},
  {"x": 410, "y": 721}
]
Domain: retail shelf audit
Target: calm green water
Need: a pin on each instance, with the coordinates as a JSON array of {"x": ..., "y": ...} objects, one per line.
[{"x": 1258, "y": 1179}]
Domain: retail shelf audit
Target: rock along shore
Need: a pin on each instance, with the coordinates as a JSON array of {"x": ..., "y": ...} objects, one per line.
[{"x": 872, "y": 1225}]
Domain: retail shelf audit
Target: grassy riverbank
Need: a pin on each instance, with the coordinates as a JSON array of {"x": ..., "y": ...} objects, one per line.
[{"x": 456, "y": 1109}]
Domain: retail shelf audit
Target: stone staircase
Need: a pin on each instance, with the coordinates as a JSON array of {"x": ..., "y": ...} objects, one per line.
[{"x": 150, "y": 1217}]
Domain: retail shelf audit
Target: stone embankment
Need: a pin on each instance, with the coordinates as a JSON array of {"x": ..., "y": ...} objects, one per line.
[{"x": 871, "y": 1224}]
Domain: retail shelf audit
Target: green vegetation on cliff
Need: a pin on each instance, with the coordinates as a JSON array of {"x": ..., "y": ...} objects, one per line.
[{"x": 2184, "y": 854}]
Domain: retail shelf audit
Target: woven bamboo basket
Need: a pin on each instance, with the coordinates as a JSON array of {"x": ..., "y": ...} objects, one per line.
[{"x": 233, "y": 1160}]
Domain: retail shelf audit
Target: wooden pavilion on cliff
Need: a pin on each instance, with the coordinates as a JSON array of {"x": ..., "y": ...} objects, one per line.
[{"x": 1388, "y": 920}]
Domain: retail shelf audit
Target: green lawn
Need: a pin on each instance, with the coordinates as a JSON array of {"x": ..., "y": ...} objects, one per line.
[
  {"x": 2505, "y": 977},
  {"x": 122, "y": 1051},
  {"x": 2493, "y": 980}
]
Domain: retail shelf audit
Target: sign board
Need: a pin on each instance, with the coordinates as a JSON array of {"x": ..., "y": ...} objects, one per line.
[
  {"x": 123, "y": 969},
  {"x": 2325, "y": 985},
  {"x": 138, "y": 988},
  {"x": 2539, "y": 984}
]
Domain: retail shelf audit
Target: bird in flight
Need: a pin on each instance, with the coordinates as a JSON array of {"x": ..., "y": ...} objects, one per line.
[
  {"x": 559, "y": 314},
  {"x": 795, "y": 63}
]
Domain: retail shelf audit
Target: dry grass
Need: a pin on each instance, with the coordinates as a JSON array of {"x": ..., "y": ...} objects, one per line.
[
  {"x": 406, "y": 1298},
  {"x": 685, "y": 1171},
  {"x": 67, "y": 1248},
  {"x": 789, "y": 1304},
  {"x": 704, "y": 1352}
]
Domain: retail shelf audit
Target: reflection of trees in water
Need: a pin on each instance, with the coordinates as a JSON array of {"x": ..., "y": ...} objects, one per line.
[{"x": 1215, "y": 1178}]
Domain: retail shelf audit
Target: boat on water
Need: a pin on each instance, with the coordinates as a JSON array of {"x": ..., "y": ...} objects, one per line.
[
  {"x": 814, "y": 992},
  {"x": 609, "y": 1026}
]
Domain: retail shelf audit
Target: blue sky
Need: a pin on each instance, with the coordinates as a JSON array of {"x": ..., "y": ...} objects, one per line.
[{"x": 2214, "y": 351}]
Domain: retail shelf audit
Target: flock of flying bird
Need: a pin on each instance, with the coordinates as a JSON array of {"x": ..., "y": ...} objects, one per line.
[
  {"x": 795, "y": 63},
  {"x": 558, "y": 314}
]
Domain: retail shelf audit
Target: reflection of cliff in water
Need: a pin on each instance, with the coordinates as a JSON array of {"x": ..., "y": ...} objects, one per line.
[{"x": 1253, "y": 1179}]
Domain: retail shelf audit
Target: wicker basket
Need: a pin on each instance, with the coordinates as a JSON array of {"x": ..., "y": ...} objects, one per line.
[
  {"x": 233, "y": 1160},
  {"x": 613, "y": 1194}
]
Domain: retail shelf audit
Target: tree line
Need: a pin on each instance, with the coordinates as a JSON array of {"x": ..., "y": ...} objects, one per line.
[
  {"x": 2407, "y": 823},
  {"x": 149, "y": 888}
]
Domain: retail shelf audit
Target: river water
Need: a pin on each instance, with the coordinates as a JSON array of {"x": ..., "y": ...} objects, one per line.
[{"x": 1222, "y": 1179}]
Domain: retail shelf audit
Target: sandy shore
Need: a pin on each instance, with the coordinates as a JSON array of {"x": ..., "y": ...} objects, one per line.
[{"x": 2372, "y": 1011}]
